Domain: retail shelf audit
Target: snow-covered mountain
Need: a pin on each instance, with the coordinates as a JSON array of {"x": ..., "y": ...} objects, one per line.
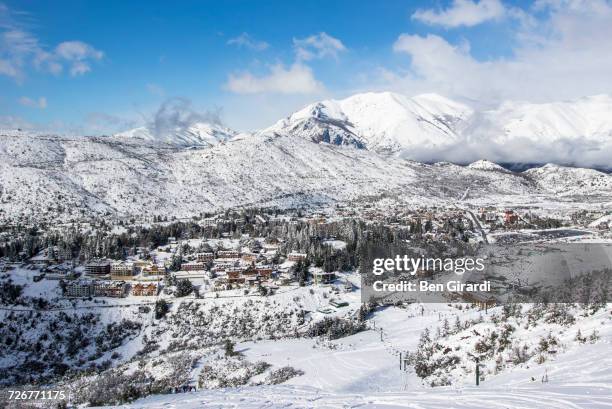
[
  {"x": 382, "y": 122},
  {"x": 589, "y": 118},
  {"x": 43, "y": 177},
  {"x": 329, "y": 151},
  {"x": 431, "y": 128},
  {"x": 197, "y": 134},
  {"x": 487, "y": 165}
]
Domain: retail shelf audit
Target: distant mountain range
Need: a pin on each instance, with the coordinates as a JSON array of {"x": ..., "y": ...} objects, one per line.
[
  {"x": 329, "y": 151},
  {"x": 51, "y": 178},
  {"x": 431, "y": 128}
]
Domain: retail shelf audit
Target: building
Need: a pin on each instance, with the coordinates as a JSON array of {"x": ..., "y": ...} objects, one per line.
[
  {"x": 140, "y": 264},
  {"x": 294, "y": 256},
  {"x": 79, "y": 289},
  {"x": 510, "y": 217},
  {"x": 322, "y": 277},
  {"x": 193, "y": 266},
  {"x": 145, "y": 290},
  {"x": 98, "y": 268},
  {"x": 152, "y": 270},
  {"x": 481, "y": 300},
  {"x": 489, "y": 217},
  {"x": 235, "y": 277},
  {"x": 205, "y": 257},
  {"x": 109, "y": 289},
  {"x": 338, "y": 303},
  {"x": 60, "y": 274},
  {"x": 122, "y": 271},
  {"x": 228, "y": 254},
  {"x": 249, "y": 257},
  {"x": 264, "y": 272}
]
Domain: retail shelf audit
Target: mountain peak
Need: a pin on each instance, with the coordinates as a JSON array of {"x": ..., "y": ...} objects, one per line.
[
  {"x": 379, "y": 121},
  {"x": 484, "y": 164},
  {"x": 196, "y": 134}
]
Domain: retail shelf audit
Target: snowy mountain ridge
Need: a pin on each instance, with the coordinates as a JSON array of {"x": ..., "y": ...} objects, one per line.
[
  {"x": 46, "y": 177},
  {"x": 383, "y": 122},
  {"x": 430, "y": 128},
  {"x": 197, "y": 134}
]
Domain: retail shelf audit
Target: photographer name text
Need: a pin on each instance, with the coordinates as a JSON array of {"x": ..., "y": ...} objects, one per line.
[{"x": 424, "y": 285}]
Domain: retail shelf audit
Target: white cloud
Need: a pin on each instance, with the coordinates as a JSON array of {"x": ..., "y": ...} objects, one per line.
[
  {"x": 245, "y": 40},
  {"x": 77, "y": 54},
  {"x": 463, "y": 13},
  {"x": 297, "y": 79},
  {"x": 77, "y": 51},
  {"x": 33, "y": 103},
  {"x": 317, "y": 46},
  {"x": 20, "y": 50},
  {"x": 567, "y": 55}
]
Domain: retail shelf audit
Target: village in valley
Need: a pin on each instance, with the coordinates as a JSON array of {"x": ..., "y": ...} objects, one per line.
[
  {"x": 166, "y": 306},
  {"x": 226, "y": 258}
]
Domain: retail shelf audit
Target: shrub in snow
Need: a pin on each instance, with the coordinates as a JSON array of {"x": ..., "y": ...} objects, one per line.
[
  {"x": 229, "y": 372},
  {"x": 335, "y": 328},
  {"x": 282, "y": 375},
  {"x": 183, "y": 287}
]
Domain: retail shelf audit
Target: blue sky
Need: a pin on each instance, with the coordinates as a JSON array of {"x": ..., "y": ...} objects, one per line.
[{"x": 100, "y": 67}]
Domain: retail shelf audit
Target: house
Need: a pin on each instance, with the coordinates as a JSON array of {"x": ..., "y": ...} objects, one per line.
[
  {"x": 211, "y": 221},
  {"x": 145, "y": 290},
  {"x": 264, "y": 272},
  {"x": 152, "y": 270},
  {"x": 204, "y": 257},
  {"x": 228, "y": 254},
  {"x": 510, "y": 217},
  {"x": 249, "y": 257},
  {"x": 489, "y": 217},
  {"x": 60, "y": 274},
  {"x": 235, "y": 277},
  {"x": 481, "y": 300},
  {"x": 78, "y": 289},
  {"x": 140, "y": 264},
  {"x": 109, "y": 289},
  {"x": 122, "y": 271},
  {"x": 193, "y": 266},
  {"x": 270, "y": 247},
  {"x": 294, "y": 256},
  {"x": 98, "y": 268},
  {"x": 322, "y": 277}
]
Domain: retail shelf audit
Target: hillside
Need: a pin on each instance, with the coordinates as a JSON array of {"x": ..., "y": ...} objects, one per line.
[
  {"x": 43, "y": 177},
  {"x": 576, "y": 372}
]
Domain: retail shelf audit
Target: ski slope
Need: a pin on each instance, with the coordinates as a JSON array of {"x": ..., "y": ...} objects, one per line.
[{"x": 363, "y": 371}]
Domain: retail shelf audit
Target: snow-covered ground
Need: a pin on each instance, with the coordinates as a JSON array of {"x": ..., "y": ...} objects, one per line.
[{"x": 363, "y": 371}]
